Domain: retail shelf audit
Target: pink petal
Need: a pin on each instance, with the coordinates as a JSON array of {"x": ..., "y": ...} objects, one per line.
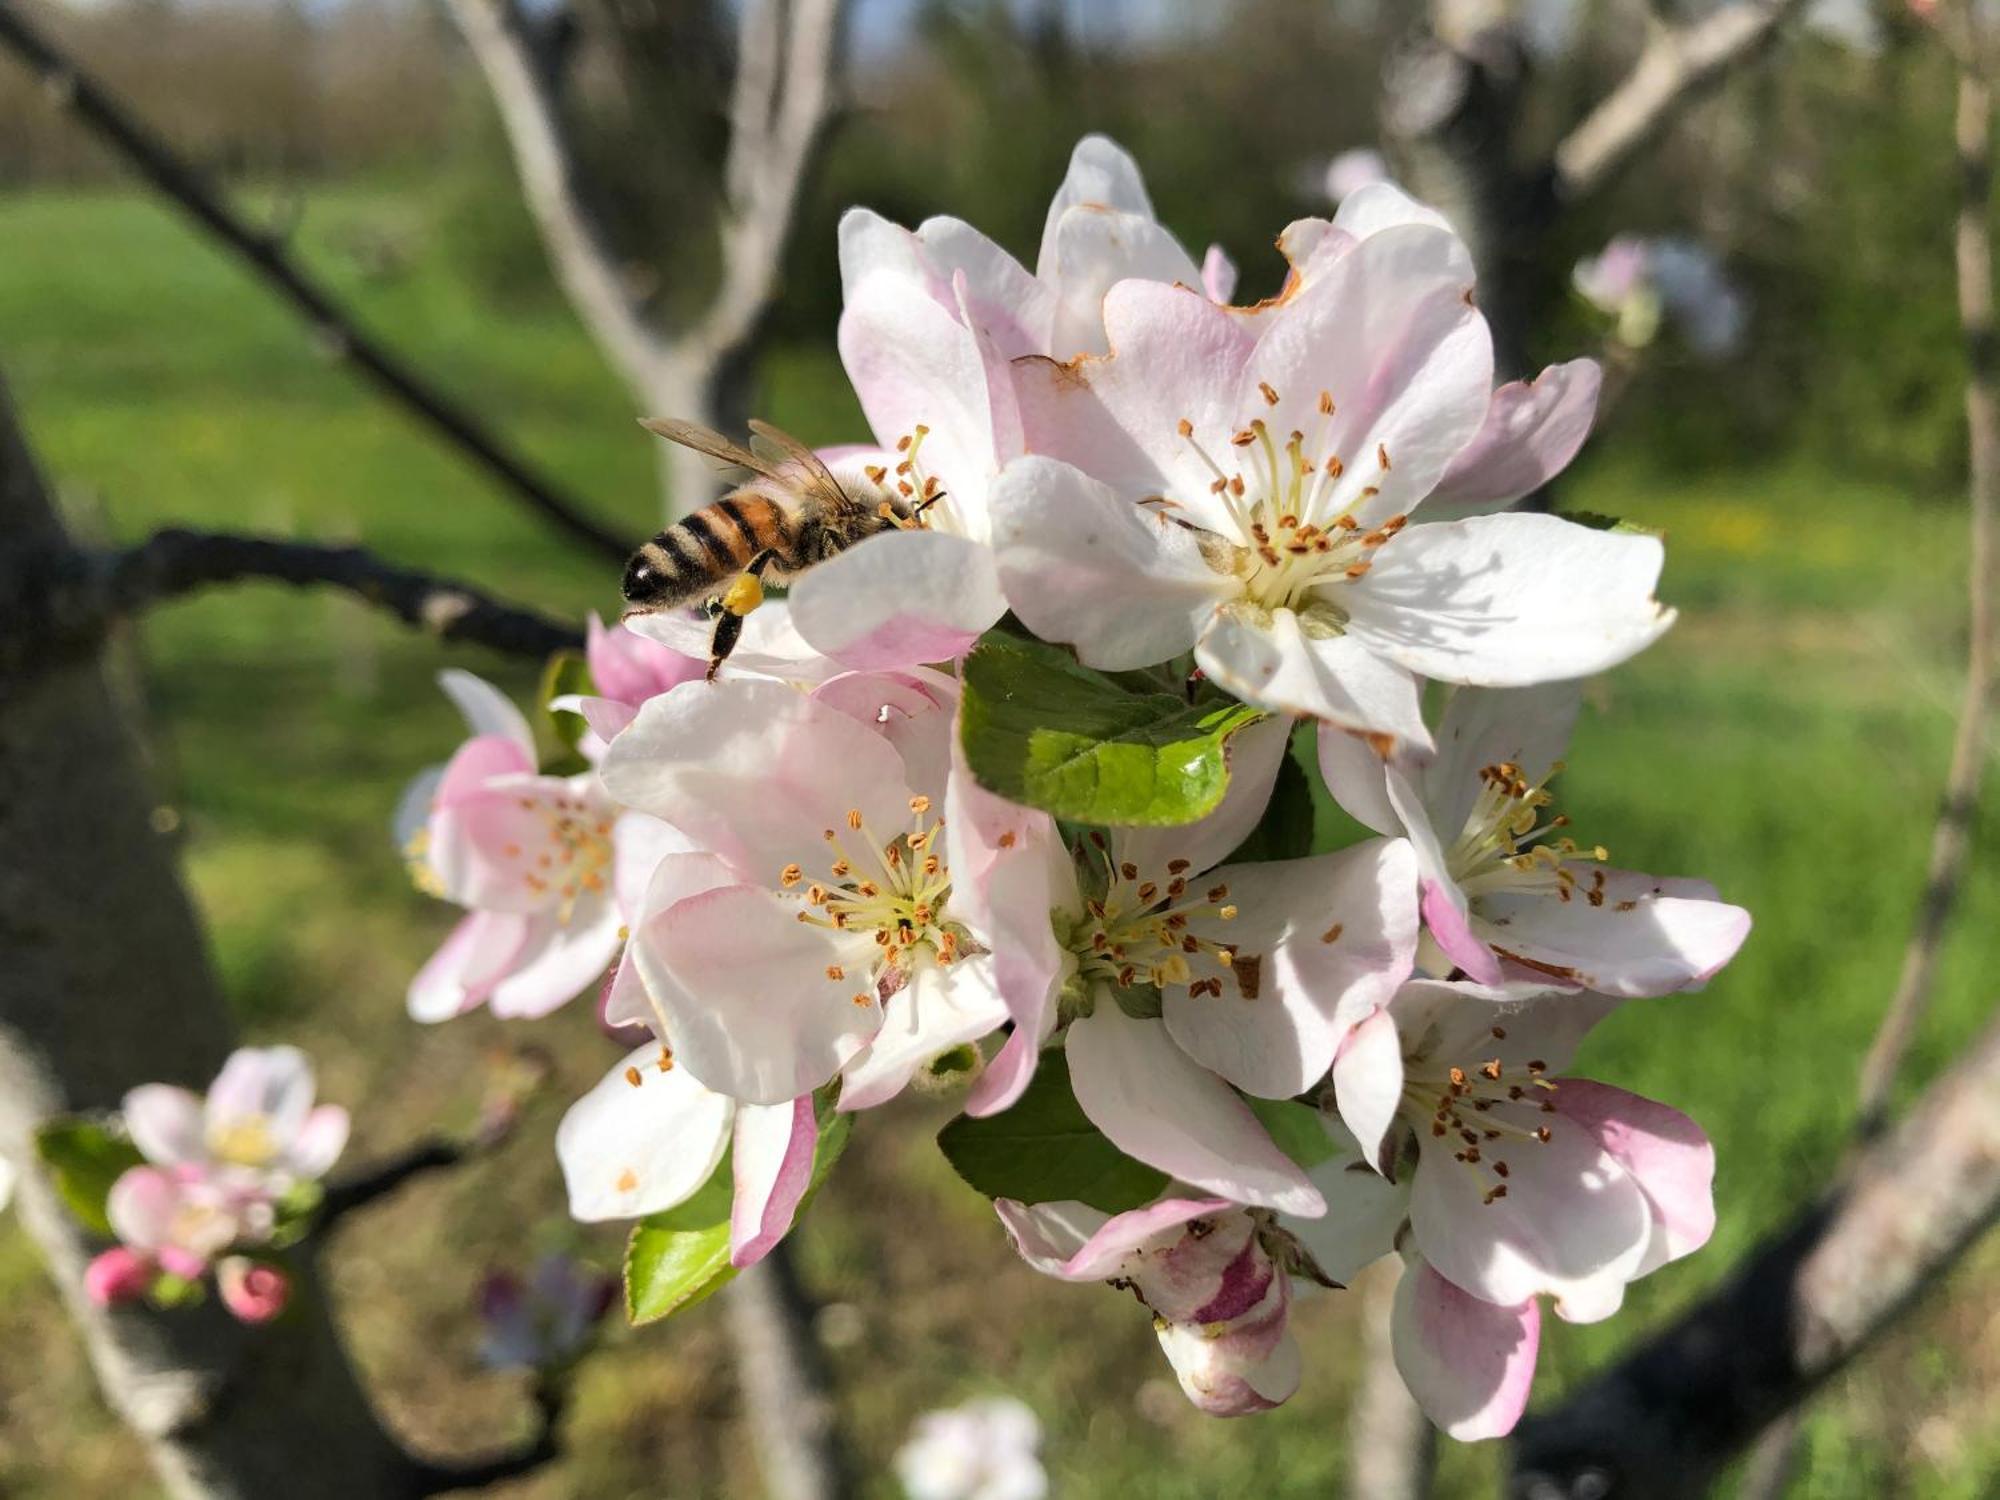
[
  {"x": 165, "y": 1123},
  {"x": 631, "y": 1150},
  {"x": 913, "y": 709},
  {"x": 1078, "y": 1243},
  {"x": 628, "y": 668},
  {"x": 1532, "y": 431},
  {"x": 1648, "y": 935},
  {"x": 745, "y": 992},
  {"x": 1666, "y": 1152},
  {"x": 1445, "y": 916},
  {"x": 1469, "y": 1363},
  {"x": 319, "y": 1142},
  {"x": 675, "y": 878},
  {"x": 460, "y": 975},
  {"x": 141, "y": 1207},
  {"x": 1163, "y": 1108},
  {"x": 477, "y": 762},
  {"x": 770, "y": 645},
  {"x": 773, "y": 1167},
  {"x": 899, "y": 599},
  {"x": 560, "y": 961}
]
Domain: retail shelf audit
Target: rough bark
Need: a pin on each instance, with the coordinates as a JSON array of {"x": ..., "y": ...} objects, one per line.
[{"x": 105, "y": 984}]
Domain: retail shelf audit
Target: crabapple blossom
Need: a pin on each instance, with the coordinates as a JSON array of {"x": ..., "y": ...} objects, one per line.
[
  {"x": 1516, "y": 1182},
  {"x": 254, "y": 1291},
  {"x": 986, "y": 1449},
  {"x": 180, "y": 1219},
  {"x": 545, "y": 1319},
  {"x": 1213, "y": 1275},
  {"x": 1244, "y": 492},
  {"x": 931, "y": 320},
  {"x": 533, "y": 858},
  {"x": 1508, "y": 895},
  {"x": 257, "y": 1128}
]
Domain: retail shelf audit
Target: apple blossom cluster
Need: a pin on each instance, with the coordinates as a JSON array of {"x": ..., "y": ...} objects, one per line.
[
  {"x": 222, "y": 1179},
  {"x": 1024, "y": 802},
  {"x": 1640, "y": 283}
]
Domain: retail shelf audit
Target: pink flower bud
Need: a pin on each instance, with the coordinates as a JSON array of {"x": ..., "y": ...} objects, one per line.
[
  {"x": 255, "y": 1291},
  {"x": 177, "y": 1260},
  {"x": 118, "y": 1275},
  {"x": 1239, "y": 1365}
]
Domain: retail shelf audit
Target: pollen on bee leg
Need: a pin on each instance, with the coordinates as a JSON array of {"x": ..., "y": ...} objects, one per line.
[{"x": 744, "y": 594}]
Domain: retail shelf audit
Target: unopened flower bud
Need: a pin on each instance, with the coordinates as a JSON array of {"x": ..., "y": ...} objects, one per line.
[
  {"x": 255, "y": 1291},
  {"x": 118, "y": 1275}
]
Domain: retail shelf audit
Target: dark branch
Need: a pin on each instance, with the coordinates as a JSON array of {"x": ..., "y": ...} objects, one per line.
[
  {"x": 544, "y": 1448},
  {"x": 346, "y": 1194},
  {"x": 337, "y": 333},
  {"x": 55, "y": 604}
]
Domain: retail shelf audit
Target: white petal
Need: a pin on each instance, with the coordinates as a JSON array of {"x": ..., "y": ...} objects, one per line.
[
  {"x": 627, "y": 1152},
  {"x": 1101, "y": 172},
  {"x": 1480, "y": 727},
  {"x": 1095, "y": 249},
  {"x": 1352, "y": 768},
  {"x": 1083, "y": 565},
  {"x": 165, "y": 1123},
  {"x": 1363, "y": 1211},
  {"x": 487, "y": 710},
  {"x": 1377, "y": 206},
  {"x": 1254, "y": 755},
  {"x": 1644, "y": 935},
  {"x": 899, "y": 599},
  {"x": 1076, "y": 1242},
  {"x": 1161, "y": 1107},
  {"x": 560, "y": 961},
  {"x": 1276, "y": 665},
  {"x": 939, "y": 1009},
  {"x": 1532, "y": 431},
  {"x": 1368, "y": 1082},
  {"x": 1506, "y": 601}
]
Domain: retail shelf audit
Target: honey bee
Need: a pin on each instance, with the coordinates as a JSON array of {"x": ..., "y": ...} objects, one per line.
[{"x": 791, "y": 514}]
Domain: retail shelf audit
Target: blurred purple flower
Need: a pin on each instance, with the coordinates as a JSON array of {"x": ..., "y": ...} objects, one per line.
[{"x": 545, "y": 1320}]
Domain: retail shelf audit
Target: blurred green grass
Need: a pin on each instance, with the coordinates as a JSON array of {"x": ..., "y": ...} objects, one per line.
[{"x": 1787, "y": 740}]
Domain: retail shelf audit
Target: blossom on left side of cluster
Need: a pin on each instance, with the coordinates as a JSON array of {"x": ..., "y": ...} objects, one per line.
[
  {"x": 986, "y": 1449},
  {"x": 532, "y": 858},
  {"x": 1212, "y": 1274}
]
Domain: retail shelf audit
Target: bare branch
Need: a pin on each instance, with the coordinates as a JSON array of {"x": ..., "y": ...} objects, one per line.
[
  {"x": 1664, "y": 1421},
  {"x": 360, "y": 1189},
  {"x": 1676, "y": 67},
  {"x": 55, "y": 601},
  {"x": 787, "y": 1393},
  {"x": 1951, "y": 839},
  {"x": 523, "y": 91},
  {"x": 334, "y": 329}
]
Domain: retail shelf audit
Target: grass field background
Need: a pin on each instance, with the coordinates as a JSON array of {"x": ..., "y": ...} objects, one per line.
[{"x": 1787, "y": 740}]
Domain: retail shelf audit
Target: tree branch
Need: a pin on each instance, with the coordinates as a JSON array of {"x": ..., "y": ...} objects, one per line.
[
  {"x": 360, "y": 1189},
  {"x": 787, "y": 1392},
  {"x": 521, "y": 81},
  {"x": 1675, "y": 68},
  {"x": 56, "y": 601},
  {"x": 1951, "y": 839},
  {"x": 1664, "y": 1421},
  {"x": 335, "y": 330}
]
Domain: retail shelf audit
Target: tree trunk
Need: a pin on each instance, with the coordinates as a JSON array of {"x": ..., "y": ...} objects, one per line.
[{"x": 105, "y": 984}]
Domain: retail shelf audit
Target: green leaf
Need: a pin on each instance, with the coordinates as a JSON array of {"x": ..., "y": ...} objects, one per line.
[
  {"x": 1285, "y": 831},
  {"x": 1039, "y": 728},
  {"x": 85, "y": 1158},
  {"x": 1295, "y": 1129},
  {"x": 680, "y": 1257},
  {"x": 1598, "y": 521},
  {"x": 558, "y": 732},
  {"x": 1044, "y": 1150}
]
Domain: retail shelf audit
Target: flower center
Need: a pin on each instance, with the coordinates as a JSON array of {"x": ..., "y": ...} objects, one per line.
[
  {"x": 1292, "y": 505},
  {"x": 1480, "y": 1111},
  {"x": 894, "y": 889},
  {"x": 1504, "y": 845},
  {"x": 920, "y": 502},
  {"x": 572, "y": 857},
  {"x": 245, "y": 1142},
  {"x": 1137, "y": 931}
]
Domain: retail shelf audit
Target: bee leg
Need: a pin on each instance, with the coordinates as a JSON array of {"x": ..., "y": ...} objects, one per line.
[{"x": 742, "y": 596}]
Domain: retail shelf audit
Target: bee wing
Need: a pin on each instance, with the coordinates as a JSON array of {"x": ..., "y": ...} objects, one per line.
[
  {"x": 711, "y": 445},
  {"x": 773, "y": 445}
]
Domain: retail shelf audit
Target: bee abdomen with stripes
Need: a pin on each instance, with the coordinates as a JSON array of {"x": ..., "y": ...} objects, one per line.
[{"x": 697, "y": 555}]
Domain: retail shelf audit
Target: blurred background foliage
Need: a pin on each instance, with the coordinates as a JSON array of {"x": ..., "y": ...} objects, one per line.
[{"x": 1787, "y": 740}]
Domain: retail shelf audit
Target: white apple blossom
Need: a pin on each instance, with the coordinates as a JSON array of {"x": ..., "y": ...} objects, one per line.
[{"x": 986, "y": 1449}]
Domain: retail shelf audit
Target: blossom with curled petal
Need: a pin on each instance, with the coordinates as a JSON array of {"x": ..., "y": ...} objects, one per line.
[
  {"x": 535, "y": 859},
  {"x": 1255, "y": 973},
  {"x": 1515, "y": 1181},
  {"x": 1212, "y": 1274},
  {"x": 1509, "y": 896},
  {"x": 1244, "y": 491},
  {"x": 932, "y": 319}
]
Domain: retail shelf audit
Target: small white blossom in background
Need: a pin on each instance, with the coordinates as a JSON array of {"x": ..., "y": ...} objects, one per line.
[
  {"x": 1641, "y": 283},
  {"x": 1351, "y": 171},
  {"x": 987, "y": 1449}
]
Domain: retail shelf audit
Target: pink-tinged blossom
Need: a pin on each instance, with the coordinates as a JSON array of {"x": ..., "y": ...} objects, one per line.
[
  {"x": 932, "y": 320},
  {"x": 1508, "y": 895},
  {"x": 544, "y": 1319},
  {"x": 181, "y": 1218},
  {"x": 1243, "y": 490},
  {"x": 1312, "y": 945},
  {"x": 986, "y": 1449},
  {"x": 1515, "y": 1181},
  {"x": 254, "y": 1291},
  {"x": 1220, "y": 1296},
  {"x": 815, "y": 932},
  {"x": 1641, "y": 282},
  {"x": 258, "y": 1125},
  {"x": 531, "y": 857}
]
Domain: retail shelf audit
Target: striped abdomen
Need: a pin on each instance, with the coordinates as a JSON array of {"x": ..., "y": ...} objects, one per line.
[{"x": 697, "y": 554}]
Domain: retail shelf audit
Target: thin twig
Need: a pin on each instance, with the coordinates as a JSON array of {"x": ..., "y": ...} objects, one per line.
[
  {"x": 1675, "y": 68},
  {"x": 1951, "y": 838},
  {"x": 1665, "y": 1420},
  {"x": 335, "y": 330},
  {"x": 53, "y": 604},
  {"x": 358, "y": 1190}
]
